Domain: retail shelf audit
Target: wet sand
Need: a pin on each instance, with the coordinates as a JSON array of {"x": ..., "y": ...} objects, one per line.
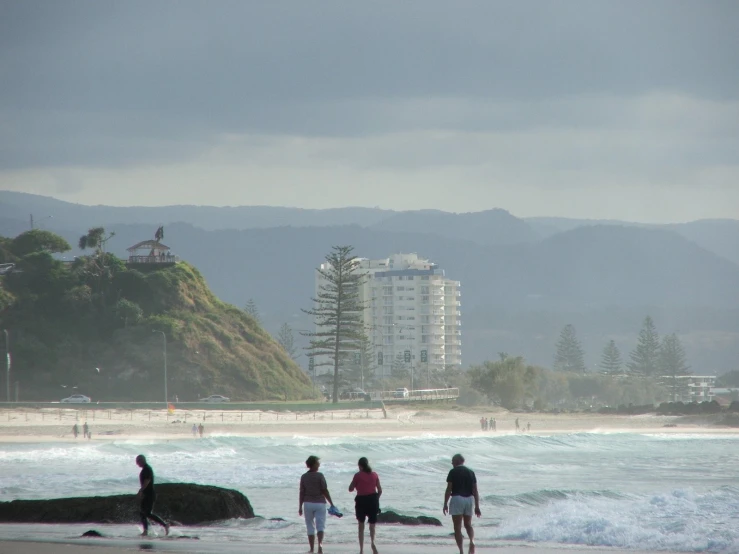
[{"x": 157, "y": 546}]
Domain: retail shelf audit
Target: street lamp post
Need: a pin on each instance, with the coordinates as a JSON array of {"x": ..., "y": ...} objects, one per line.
[
  {"x": 164, "y": 339},
  {"x": 7, "y": 358}
]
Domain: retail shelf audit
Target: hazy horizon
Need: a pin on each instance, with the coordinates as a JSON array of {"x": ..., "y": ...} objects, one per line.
[
  {"x": 285, "y": 206},
  {"x": 598, "y": 110}
]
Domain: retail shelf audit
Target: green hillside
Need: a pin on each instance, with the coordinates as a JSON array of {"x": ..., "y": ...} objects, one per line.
[{"x": 92, "y": 324}]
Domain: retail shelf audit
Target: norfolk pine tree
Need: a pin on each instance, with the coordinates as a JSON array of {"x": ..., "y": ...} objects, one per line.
[
  {"x": 252, "y": 309},
  {"x": 569, "y": 356},
  {"x": 645, "y": 357},
  {"x": 672, "y": 365},
  {"x": 338, "y": 313},
  {"x": 287, "y": 340},
  {"x": 610, "y": 362}
]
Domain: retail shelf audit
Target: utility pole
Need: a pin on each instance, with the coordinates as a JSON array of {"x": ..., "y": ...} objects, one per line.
[
  {"x": 164, "y": 339},
  {"x": 31, "y": 222},
  {"x": 7, "y": 357}
]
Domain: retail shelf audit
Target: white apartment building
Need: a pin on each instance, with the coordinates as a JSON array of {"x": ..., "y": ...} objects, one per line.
[{"x": 413, "y": 314}]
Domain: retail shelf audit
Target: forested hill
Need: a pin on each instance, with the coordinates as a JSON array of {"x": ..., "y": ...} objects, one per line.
[{"x": 93, "y": 324}]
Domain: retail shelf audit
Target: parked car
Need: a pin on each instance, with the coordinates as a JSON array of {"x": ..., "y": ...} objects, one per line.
[
  {"x": 400, "y": 393},
  {"x": 354, "y": 394},
  {"x": 215, "y": 398},
  {"x": 76, "y": 399}
]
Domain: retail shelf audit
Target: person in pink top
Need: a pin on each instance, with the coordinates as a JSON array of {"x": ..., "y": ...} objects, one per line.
[{"x": 367, "y": 502}]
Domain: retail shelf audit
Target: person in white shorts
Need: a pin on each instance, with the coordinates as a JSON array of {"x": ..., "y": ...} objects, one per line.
[
  {"x": 312, "y": 502},
  {"x": 461, "y": 487}
]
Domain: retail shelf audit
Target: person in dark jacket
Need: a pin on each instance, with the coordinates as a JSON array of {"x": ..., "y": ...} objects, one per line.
[{"x": 147, "y": 496}]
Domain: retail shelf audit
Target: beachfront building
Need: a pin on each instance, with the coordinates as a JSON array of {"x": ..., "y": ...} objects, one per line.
[
  {"x": 413, "y": 315},
  {"x": 691, "y": 388}
]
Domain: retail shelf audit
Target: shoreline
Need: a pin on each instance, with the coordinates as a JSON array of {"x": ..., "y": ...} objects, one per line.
[
  {"x": 40, "y": 425},
  {"x": 124, "y": 547}
]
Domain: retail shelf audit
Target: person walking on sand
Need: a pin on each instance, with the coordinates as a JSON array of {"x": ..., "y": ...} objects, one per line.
[
  {"x": 312, "y": 502},
  {"x": 461, "y": 486},
  {"x": 367, "y": 502},
  {"x": 85, "y": 430},
  {"x": 75, "y": 430},
  {"x": 194, "y": 430},
  {"x": 200, "y": 430},
  {"x": 518, "y": 428},
  {"x": 147, "y": 496}
]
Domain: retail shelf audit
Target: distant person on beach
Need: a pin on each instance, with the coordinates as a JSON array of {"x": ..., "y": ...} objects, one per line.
[
  {"x": 147, "y": 496},
  {"x": 461, "y": 486},
  {"x": 85, "y": 430},
  {"x": 194, "y": 430},
  {"x": 528, "y": 427},
  {"x": 200, "y": 430},
  {"x": 518, "y": 428},
  {"x": 75, "y": 430},
  {"x": 482, "y": 424},
  {"x": 312, "y": 501},
  {"x": 494, "y": 424},
  {"x": 367, "y": 502}
]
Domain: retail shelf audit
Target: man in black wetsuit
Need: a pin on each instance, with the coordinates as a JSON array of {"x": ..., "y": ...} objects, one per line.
[{"x": 147, "y": 496}]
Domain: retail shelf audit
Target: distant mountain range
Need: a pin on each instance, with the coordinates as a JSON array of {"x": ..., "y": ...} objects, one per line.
[
  {"x": 522, "y": 279},
  {"x": 490, "y": 227}
]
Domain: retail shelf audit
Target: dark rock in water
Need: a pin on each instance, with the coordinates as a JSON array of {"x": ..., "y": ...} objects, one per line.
[
  {"x": 92, "y": 533},
  {"x": 392, "y": 517},
  {"x": 184, "y": 503}
]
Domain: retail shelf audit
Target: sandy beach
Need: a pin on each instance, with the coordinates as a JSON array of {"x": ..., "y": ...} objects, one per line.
[
  {"x": 55, "y": 548},
  {"x": 38, "y": 425}
]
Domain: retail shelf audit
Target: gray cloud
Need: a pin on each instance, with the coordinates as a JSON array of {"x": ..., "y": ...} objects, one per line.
[{"x": 588, "y": 91}]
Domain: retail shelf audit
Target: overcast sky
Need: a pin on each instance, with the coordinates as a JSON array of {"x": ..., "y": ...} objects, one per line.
[{"x": 624, "y": 109}]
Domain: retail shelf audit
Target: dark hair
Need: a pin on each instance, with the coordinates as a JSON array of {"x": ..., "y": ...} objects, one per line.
[
  {"x": 311, "y": 461},
  {"x": 364, "y": 464},
  {"x": 140, "y": 458},
  {"x": 459, "y": 458}
]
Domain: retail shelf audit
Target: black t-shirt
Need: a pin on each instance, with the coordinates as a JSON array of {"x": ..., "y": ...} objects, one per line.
[
  {"x": 147, "y": 473},
  {"x": 462, "y": 479}
]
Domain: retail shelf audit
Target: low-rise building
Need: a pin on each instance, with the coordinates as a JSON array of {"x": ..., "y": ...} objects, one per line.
[{"x": 690, "y": 388}]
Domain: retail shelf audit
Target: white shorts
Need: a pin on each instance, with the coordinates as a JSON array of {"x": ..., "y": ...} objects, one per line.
[
  {"x": 461, "y": 505},
  {"x": 315, "y": 516}
]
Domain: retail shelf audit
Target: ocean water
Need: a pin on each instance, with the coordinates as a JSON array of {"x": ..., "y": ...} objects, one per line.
[{"x": 631, "y": 491}]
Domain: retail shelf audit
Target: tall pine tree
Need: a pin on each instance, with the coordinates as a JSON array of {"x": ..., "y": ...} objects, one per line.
[
  {"x": 610, "y": 362},
  {"x": 252, "y": 309},
  {"x": 570, "y": 355},
  {"x": 672, "y": 364},
  {"x": 644, "y": 359},
  {"x": 338, "y": 313},
  {"x": 287, "y": 340}
]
